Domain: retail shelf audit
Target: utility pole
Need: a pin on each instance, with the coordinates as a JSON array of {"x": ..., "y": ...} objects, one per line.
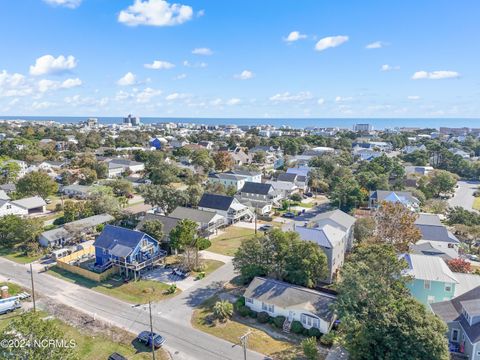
[
  {"x": 151, "y": 330},
  {"x": 33, "y": 289},
  {"x": 256, "y": 211},
  {"x": 243, "y": 341}
]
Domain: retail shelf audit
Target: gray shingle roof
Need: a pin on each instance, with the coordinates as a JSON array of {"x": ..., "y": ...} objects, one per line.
[
  {"x": 256, "y": 188},
  {"x": 215, "y": 201},
  {"x": 30, "y": 202},
  {"x": 287, "y": 177},
  {"x": 168, "y": 222},
  {"x": 200, "y": 216},
  {"x": 288, "y": 296},
  {"x": 451, "y": 311},
  {"x": 437, "y": 233},
  {"x": 112, "y": 236},
  {"x": 338, "y": 216}
]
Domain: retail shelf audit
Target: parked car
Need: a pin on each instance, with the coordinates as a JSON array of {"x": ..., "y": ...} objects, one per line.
[
  {"x": 116, "y": 356},
  {"x": 472, "y": 257},
  {"x": 266, "y": 228},
  {"x": 180, "y": 272},
  {"x": 147, "y": 338},
  {"x": 48, "y": 201},
  {"x": 308, "y": 194},
  {"x": 289, "y": 215},
  {"x": 9, "y": 305}
]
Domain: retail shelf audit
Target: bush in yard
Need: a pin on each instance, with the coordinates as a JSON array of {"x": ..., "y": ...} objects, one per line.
[
  {"x": 200, "y": 275},
  {"x": 203, "y": 243},
  {"x": 328, "y": 339},
  {"x": 171, "y": 289},
  {"x": 240, "y": 301},
  {"x": 253, "y": 314},
  {"x": 263, "y": 317},
  {"x": 297, "y": 327},
  {"x": 243, "y": 310},
  {"x": 278, "y": 321},
  {"x": 309, "y": 347},
  {"x": 223, "y": 310},
  {"x": 296, "y": 197},
  {"x": 314, "y": 332}
]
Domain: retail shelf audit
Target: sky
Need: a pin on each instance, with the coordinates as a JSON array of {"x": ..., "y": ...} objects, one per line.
[{"x": 248, "y": 58}]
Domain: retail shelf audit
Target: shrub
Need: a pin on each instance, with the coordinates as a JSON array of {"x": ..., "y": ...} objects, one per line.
[
  {"x": 278, "y": 321},
  {"x": 253, "y": 314},
  {"x": 203, "y": 243},
  {"x": 263, "y": 317},
  {"x": 328, "y": 339},
  {"x": 314, "y": 332},
  {"x": 171, "y": 289},
  {"x": 297, "y": 327},
  {"x": 200, "y": 275},
  {"x": 243, "y": 310},
  {"x": 296, "y": 197},
  {"x": 222, "y": 310},
  {"x": 310, "y": 349},
  {"x": 240, "y": 301}
]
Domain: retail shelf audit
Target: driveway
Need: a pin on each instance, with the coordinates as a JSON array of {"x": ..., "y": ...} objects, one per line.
[
  {"x": 171, "y": 318},
  {"x": 464, "y": 195}
]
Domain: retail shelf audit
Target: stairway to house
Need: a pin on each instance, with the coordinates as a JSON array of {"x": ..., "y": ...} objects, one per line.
[{"x": 287, "y": 325}]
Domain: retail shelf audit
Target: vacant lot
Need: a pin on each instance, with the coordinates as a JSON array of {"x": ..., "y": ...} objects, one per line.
[
  {"x": 18, "y": 256},
  {"x": 135, "y": 292},
  {"x": 229, "y": 240}
]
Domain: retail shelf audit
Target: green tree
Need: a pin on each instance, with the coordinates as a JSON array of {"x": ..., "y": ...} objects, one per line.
[
  {"x": 380, "y": 320},
  {"x": 87, "y": 176},
  {"x": 121, "y": 187},
  {"x": 183, "y": 237},
  {"x": 223, "y": 160},
  {"x": 31, "y": 327},
  {"x": 194, "y": 194},
  {"x": 164, "y": 197},
  {"x": 164, "y": 174},
  {"x": 154, "y": 228},
  {"x": 9, "y": 171},
  {"x": 223, "y": 310},
  {"x": 364, "y": 229},
  {"x": 310, "y": 349},
  {"x": 36, "y": 183},
  {"x": 18, "y": 232}
]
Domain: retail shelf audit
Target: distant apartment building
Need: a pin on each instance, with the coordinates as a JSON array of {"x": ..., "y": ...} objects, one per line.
[
  {"x": 362, "y": 127},
  {"x": 131, "y": 120},
  {"x": 454, "y": 131}
]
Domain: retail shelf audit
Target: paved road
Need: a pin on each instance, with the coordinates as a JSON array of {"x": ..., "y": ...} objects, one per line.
[
  {"x": 464, "y": 195},
  {"x": 171, "y": 317}
]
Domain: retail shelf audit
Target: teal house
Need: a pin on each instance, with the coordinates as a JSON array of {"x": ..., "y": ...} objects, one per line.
[{"x": 432, "y": 280}]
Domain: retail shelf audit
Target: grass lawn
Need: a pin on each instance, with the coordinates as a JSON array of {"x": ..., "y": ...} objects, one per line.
[
  {"x": 209, "y": 264},
  {"x": 13, "y": 289},
  {"x": 96, "y": 347},
  {"x": 135, "y": 292},
  {"x": 476, "y": 203},
  {"x": 229, "y": 241},
  {"x": 232, "y": 330},
  {"x": 18, "y": 256}
]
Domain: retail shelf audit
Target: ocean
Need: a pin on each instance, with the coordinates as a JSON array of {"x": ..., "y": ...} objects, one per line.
[{"x": 377, "y": 123}]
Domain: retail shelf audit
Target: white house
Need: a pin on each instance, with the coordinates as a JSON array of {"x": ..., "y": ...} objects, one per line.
[
  {"x": 32, "y": 205},
  {"x": 436, "y": 234},
  {"x": 258, "y": 196},
  {"x": 227, "y": 206},
  {"x": 7, "y": 208},
  {"x": 117, "y": 167},
  {"x": 227, "y": 180},
  {"x": 310, "y": 307}
]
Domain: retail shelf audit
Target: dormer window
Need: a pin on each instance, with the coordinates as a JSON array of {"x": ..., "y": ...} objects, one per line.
[{"x": 448, "y": 287}]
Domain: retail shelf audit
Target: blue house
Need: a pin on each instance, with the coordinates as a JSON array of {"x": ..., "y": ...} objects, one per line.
[
  {"x": 432, "y": 280},
  {"x": 156, "y": 143},
  {"x": 129, "y": 250}
]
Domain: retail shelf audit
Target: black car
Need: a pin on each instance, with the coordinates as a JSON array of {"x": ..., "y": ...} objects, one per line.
[
  {"x": 308, "y": 194},
  {"x": 289, "y": 215},
  {"x": 266, "y": 228},
  {"x": 116, "y": 356},
  {"x": 147, "y": 337}
]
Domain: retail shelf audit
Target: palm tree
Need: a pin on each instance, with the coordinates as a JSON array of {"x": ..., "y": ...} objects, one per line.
[{"x": 222, "y": 310}]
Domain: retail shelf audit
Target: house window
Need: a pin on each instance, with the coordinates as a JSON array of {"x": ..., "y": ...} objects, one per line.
[
  {"x": 249, "y": 300},
  {"x": 430, "y": 299},
  {"x": 448, "y": 287},
  {"x": 309, "y": 321},
  {"x": 268, "y": 307},
  {"x": 426, "y": 284},
  {"x": 9, "y": 207}
]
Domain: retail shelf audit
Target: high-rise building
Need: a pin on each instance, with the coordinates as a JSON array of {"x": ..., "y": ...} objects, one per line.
[
  {"x": 131, "y": 120},
  {"x": 362, "y": 127}
]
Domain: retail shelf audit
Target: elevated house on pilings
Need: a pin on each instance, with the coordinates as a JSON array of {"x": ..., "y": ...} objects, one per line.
[{"x": 128, "y": 250}]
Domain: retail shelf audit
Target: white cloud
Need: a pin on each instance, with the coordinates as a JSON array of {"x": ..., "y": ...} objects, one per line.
[
  {"x": 288, "y": 97},
  {"x": 216, "y": 102},
  {"x": 343, "y": 99},
  {"x": 321, "y": 101},
  {"x": 233, "y": 101},
  {"x": 330, "y": 42},
  {"x": 72, "y": 4},
  {"x": 295, "y": 36},
  {"x": 202, "y": 51},
  {"x": 78, "y": 100},
  {"x": 127, "y": 80},
  {"x": 42, "y": 105},
  {"x": 244, "y": 75},
  {"x": 200, "y": 13},
  {"x": 375, "y": 45},
  {"x": 176, "y": 96},
  {"x": 71, "y": 83},
  {"x": 160, "y": 65},
  {"x": 181, "y": 76},
  {"x": 387, "y": 67},
  {"x": 12, "y": 85},
  {"x": 187, "y": 63},
  {"x": 48, "y": 64},
  {"x": 146, "y": 95},
  {"x": 413, "y": 97},
  {"x": 435, "y": 75},
  {"x": 155, "y": 13}
]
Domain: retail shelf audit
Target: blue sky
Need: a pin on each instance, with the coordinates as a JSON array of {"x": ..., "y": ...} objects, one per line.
[{"x": 249, "y": 58}]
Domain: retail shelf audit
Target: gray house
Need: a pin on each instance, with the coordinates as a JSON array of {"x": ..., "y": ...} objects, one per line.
[{"x": 462, "y": 315}]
